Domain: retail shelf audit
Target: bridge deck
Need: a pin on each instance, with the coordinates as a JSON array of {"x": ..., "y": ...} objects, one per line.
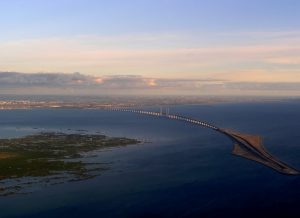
[
  {"x": 246, "y": 146},
  {"x": 251, "y": 147}
]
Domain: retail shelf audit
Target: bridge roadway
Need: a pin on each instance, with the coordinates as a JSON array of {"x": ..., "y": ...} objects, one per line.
[{"x": 246, "y": 146}]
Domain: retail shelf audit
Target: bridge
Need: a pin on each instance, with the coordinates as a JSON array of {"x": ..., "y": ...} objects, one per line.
[{"x": 245, "y": 145}]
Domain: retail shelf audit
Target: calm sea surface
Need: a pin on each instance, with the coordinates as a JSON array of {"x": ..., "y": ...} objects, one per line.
[{"x": 183, "y": 170}]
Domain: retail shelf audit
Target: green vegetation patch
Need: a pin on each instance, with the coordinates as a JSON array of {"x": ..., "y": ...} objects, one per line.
[{"x": 43, "y": 156}]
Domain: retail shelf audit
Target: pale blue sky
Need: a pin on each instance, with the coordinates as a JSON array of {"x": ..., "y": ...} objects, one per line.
[
  {"x": 56, "y": 18},
  {"x": 238, "y": 41}
]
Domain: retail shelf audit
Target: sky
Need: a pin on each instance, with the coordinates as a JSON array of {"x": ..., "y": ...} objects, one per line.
[{"x": 199, "y": 47}]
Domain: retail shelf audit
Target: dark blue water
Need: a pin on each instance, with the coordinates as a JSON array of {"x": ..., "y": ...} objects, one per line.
[{"x": 184, "y": 170}]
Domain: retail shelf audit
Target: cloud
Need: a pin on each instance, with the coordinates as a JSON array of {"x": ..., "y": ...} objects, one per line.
[
  {"x": 17, "y": 80},
  {"x": 273, "y": 75},
  {"x": 285, "y": 60},
  {"x": 160, "y": 55},
  {"x": 257, "y": 86},
  {"x": 77, "y": 83},
  {"x": 77, "y": 80}
]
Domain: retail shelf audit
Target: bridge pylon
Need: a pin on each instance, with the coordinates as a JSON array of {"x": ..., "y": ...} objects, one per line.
[
  {"x": 167, "y": 111},
  {"x": 164, "y": 111}
]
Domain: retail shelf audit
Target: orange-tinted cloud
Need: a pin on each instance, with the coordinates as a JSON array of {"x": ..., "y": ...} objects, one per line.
[
  {"x": 76, "y": 83},
  {"x": 159, "y": 56}
]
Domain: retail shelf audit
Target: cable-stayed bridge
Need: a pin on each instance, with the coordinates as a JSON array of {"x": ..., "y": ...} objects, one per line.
[
  {"x": 245, "y": 145},
  {"x": 166, "y": 114}
]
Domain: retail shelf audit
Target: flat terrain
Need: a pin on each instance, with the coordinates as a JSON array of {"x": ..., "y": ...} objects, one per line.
[
  {"x": 54, "y": 156},
  {"x": 6, "y": 155}
]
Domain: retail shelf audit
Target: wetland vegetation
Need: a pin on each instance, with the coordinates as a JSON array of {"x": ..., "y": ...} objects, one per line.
[{"x": 51, "y": 158}]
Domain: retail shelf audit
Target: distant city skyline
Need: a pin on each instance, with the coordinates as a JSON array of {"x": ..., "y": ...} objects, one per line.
[{"x": 230, "y": 47}]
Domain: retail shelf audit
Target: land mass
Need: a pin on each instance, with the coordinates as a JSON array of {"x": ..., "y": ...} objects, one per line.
[
  {"x": 11, "y": 102},
  {"x": 51, "y": 157},
  {"x": 251, "y": 147}
]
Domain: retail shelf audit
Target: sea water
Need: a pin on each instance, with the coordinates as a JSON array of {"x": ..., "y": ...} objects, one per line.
[{"x": 181, "y": 170}]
